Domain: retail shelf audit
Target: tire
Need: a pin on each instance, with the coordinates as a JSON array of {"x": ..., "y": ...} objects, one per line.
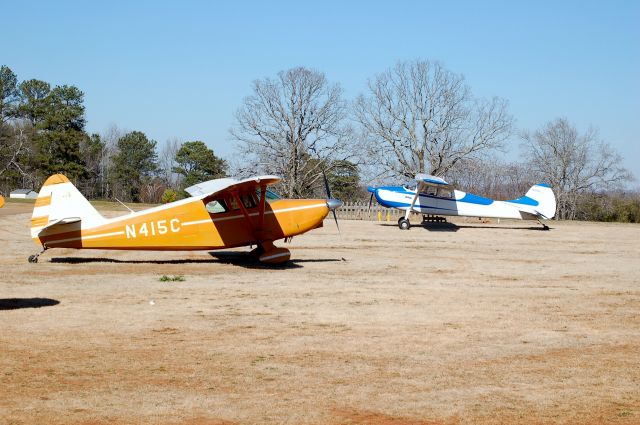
[
  {"x": 404, "y": 224},
  {"x": 33, "y": 258}
]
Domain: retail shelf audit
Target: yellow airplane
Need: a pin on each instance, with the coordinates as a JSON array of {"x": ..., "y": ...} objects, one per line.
[{"x": 222, "y": 213}]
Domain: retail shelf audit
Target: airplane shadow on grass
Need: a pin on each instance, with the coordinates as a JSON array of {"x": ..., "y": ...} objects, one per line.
[
  {"x": 242, "y": 259},
  {"x": 451, "y": 227},
  {"x": 18, "y": 303}
]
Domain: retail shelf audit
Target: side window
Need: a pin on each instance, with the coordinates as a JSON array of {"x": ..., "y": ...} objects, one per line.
[
  {"x": 233, "y": 205},
  {"x": 248, "y": 201},
  {"x": 431, "y": 191},
  {"x": 216, "y": 206},
  {"x": 444, "y": 193}
]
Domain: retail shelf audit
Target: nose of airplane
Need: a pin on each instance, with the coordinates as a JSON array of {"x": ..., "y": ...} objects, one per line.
[{"x": 333, "y": 204}]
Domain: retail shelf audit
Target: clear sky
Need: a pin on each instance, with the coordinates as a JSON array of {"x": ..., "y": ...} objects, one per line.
[{"x": 181, "y": 69}]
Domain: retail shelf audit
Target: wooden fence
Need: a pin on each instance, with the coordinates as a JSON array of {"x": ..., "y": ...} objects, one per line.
[{"x": 361, "y": 211}]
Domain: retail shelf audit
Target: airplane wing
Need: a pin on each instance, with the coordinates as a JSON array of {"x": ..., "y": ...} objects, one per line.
[
  {"x": 218, "y": 185},
  {"x": 432, "y": 180},
  {"x": 427, "y": 180}
]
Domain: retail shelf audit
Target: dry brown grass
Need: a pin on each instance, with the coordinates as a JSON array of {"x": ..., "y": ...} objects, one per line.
[{"x": 482, "y": 325}]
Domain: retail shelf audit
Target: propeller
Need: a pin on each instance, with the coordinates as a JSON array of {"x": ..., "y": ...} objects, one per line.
[
  {"x": 331, "y": 203},
  {"x": 373, "y": 192}
]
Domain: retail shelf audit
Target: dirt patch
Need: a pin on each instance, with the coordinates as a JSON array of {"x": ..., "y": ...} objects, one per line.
[{"x": 487, "y": 324}]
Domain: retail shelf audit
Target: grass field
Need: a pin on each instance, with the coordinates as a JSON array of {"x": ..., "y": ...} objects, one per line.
[{"x": 477, "y": 324}]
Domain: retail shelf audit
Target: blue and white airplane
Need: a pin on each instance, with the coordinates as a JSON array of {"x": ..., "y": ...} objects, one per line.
[{"x": 431, "y": 195}]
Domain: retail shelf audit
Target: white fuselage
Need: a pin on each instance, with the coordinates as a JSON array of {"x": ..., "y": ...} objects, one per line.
[{"x": 458, "y": 204}]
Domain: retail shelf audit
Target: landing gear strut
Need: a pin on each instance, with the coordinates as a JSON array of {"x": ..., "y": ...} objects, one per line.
[{"x": 34, "y": 258}]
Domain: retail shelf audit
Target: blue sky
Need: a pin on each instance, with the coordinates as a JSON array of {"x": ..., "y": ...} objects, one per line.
[{"x": 181, "y": 69}]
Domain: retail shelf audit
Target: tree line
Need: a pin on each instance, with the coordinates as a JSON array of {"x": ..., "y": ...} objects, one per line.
[
  {"x": 415, "y": 117},
  {"x": 42, "y": 132}
]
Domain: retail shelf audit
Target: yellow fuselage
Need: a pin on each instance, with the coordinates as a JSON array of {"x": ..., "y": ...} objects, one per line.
[{"x": 187, "y": 225}]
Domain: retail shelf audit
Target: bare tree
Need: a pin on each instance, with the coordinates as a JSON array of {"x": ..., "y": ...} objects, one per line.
[
  {"x": 110, "y": 138},
  {"x": 420, "y": 117},
  {"x": 492, "y": 177},
  {"x": 11, "y": 148},
  {"x": 293, "y": 126},
  {"x": 167, "y": 162},
  {"x": 572, "y": 163}
]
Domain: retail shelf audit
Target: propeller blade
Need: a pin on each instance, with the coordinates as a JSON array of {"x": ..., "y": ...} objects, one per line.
[
  {"x": 370, "y": 200},
  {"x": 326, "y": 185},
  {"x": 331, "y": 203}
]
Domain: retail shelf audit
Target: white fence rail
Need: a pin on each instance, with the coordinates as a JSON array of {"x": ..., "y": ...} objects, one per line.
[{"x": 361, "y": 211}]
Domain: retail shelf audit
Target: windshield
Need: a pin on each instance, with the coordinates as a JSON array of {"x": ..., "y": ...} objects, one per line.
[
  {"x": 270, "y": 195},
  {"x": 410, "y": 185}
]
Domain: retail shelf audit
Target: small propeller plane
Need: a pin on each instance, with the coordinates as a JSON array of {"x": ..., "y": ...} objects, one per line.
[
  {"x": 221, "y": 213},
  {"x": 431, "y": 195}
]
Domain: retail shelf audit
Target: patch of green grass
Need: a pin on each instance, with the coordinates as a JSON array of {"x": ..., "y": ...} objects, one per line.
[
  {"x": 177, "y": 278},
  {"x": 624, "y": 413},
  {"x": 257, "y": 360}
]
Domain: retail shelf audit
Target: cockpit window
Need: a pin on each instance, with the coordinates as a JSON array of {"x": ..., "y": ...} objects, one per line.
[
  {"x": 445, "y": 193},
  {"x": 217, "y": 206},
  {"x": 430, "y": 190}
]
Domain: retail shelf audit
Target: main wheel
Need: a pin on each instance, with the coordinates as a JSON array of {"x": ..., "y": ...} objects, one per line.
[
  {"x": 33, "y": 258},
  {"x": 404, "y": 224}
]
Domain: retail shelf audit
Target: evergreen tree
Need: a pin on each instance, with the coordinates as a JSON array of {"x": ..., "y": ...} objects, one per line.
[
  {"x": 61, "y": 132},
  {"x": 197, "y": 163},
  {"x": 344, "y": 180},
  {"x": 135, "y": 164},
  {"x": 8, "y": 92}
]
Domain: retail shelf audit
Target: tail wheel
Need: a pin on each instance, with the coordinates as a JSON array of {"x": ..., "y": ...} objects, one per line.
[
  {"x": 33, "y": 258},
  {"x": 404, "y": 224}
]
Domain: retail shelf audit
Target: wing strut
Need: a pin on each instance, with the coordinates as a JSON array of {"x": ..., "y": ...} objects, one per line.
[
  {"x": 262, "y": 205},
  {"x": 413, "y": 203}
]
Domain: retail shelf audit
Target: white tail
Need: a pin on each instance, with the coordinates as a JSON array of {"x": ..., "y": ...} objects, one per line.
[
  {"x": 542, "y": 194},
  {"x": 60, "y": 201}
]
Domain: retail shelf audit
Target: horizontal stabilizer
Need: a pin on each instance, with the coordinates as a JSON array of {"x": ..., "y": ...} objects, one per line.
[{"x": 59, "y": 225}]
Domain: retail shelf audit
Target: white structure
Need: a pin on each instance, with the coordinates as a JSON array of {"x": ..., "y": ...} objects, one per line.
[{"x": 23, "y": 194}]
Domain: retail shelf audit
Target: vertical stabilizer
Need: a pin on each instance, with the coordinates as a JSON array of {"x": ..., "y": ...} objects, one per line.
[
  {"x": 58, "y": 200},
  {"x": 543, "y": 195}
]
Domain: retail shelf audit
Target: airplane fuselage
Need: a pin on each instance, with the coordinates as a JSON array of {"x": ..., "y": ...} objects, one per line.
[
  {"x": 188, "y": 225},
  {"x": 457, "y": 204}
]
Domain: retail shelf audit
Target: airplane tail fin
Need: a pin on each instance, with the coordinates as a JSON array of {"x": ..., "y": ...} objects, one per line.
[
  {"x": 60, "y": 202},
  {"x": 539, "y": 200}
]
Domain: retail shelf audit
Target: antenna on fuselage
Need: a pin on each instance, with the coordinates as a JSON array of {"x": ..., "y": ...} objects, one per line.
[{"x": 123, "y": 204}]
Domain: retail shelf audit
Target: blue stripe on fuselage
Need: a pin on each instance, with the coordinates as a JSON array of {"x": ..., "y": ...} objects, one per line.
[
  {"x": 525, "y": 200},
  {"x": 475, "y": 199}
]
